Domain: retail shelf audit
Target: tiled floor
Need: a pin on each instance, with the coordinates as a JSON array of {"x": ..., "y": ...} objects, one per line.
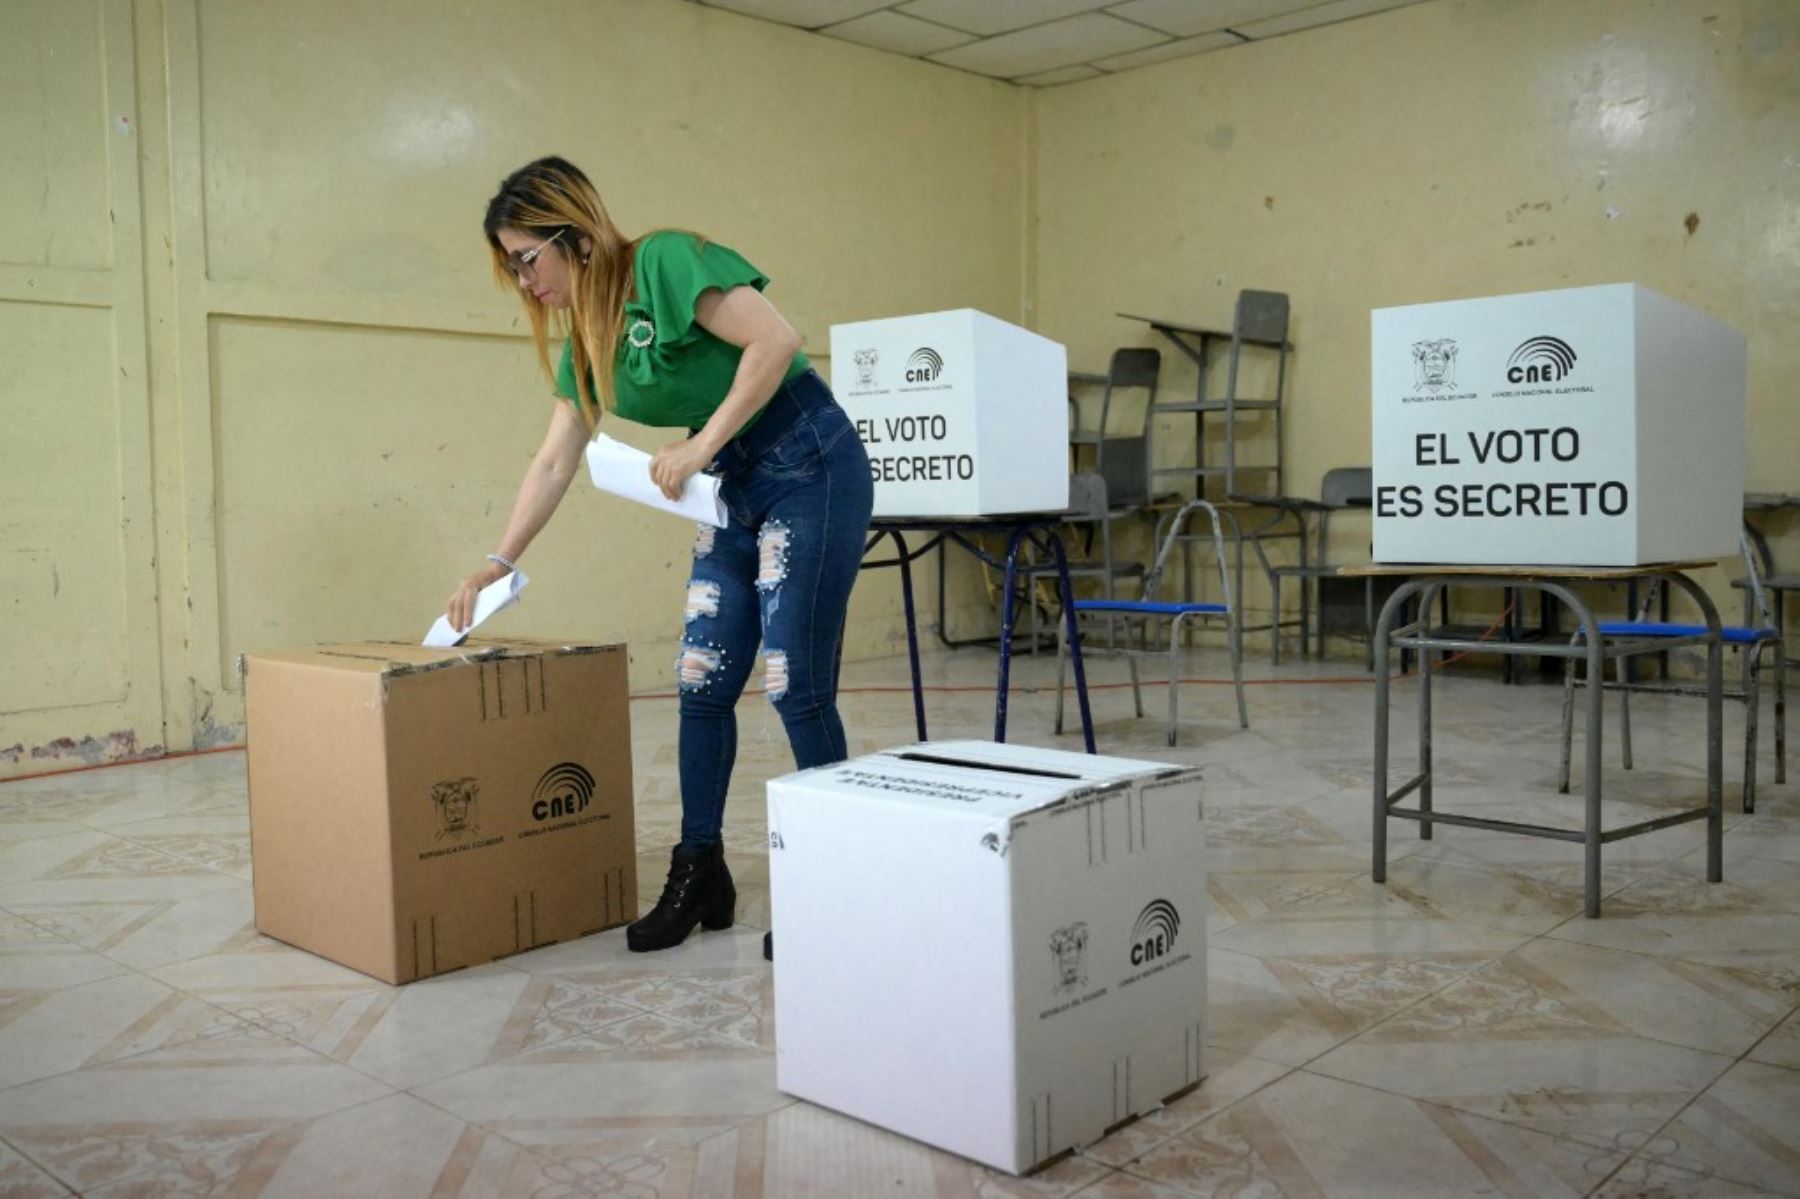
[{"x": 1458, "y": 1031}]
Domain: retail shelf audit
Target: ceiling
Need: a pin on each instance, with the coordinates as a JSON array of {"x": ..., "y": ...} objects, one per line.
[{"x": 1043, "y": 43}]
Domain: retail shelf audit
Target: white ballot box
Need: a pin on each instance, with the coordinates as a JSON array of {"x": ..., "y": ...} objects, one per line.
[
  {"x": 962, "y": 414},
  {"x": 997, "y": 950},
  {"x": 1597, "y": 426}
]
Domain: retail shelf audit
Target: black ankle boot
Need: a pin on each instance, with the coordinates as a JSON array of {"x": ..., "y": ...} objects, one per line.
[{"x": 699, "y": 891}]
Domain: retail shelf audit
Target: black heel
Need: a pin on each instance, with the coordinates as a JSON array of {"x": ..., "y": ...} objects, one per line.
[
  {"x": 721, "y": 912},
  {"x": 699, "y": 891}
]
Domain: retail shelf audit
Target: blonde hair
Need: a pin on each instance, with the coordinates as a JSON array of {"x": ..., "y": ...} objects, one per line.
[{"x": 552, "y": 196}]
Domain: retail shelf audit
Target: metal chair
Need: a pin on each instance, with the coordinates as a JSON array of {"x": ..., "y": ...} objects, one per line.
[
  {"x": 1119, "y": 483},
  {"x": 1751, "y": 638},
  {"x": 1122, "y": 460},
  {"x": 1114, "y": 489},
  {"x": 1177, "y": 614},
  {"x": 1259, "y": 323},
  {"x": 1343, "y": 487}
]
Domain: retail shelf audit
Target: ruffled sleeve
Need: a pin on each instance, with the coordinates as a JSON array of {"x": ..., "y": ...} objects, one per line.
[{"x": 673, "y": 268}]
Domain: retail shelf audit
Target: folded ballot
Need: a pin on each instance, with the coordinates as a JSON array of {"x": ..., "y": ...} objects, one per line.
[
  {"x": 624, "y": 471},
  {"x": 499, "y": 594}
]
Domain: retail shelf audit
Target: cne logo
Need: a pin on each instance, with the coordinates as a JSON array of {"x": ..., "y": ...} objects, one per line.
[
  {"x": 1540, "y": 360},
  {"x": 565, "y": 789},
  {"x": 925, "y": 365},
  {"x": 1153, "y": 936}
]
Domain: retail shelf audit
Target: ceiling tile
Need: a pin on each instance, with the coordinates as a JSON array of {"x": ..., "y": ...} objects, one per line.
[
  {"x": 1061, "y": 75},
  {"x": 808, "y": 14},
  {"x": 1184, "y": 18},
  {"x": 1168, "y": 50},
  {"x": 902, "y": 34},
  {"x": 1046, "y": 47},
  {"x": 1318, "y": 14},
  {"x": 988, "y": 17}
]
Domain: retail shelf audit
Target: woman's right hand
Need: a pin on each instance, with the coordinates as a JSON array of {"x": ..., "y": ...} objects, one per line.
[
  {"x": 461, "y": 608},
  {"x": 546, "y": 480}
]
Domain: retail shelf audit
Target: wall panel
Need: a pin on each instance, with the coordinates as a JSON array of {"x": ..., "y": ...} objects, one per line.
[
  {"x": 64, "y": 636},
  {"x": 53, "y": 133},
  {"x": 79, "y": 662}
]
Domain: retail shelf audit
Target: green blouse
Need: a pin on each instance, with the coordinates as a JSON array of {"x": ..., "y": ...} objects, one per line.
[{"x": 671, "y": 372}]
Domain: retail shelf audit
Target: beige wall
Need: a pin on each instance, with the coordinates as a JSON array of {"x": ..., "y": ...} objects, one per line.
[
  {"x": 79, "y": 669},
  {"x": 260, "y": 390},
  {"x": 302, "y": 413},
  {"x": 1451, "y": 149}
]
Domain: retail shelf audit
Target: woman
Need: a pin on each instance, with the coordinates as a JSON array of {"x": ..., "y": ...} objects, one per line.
[{"x": 685, "y": 339}]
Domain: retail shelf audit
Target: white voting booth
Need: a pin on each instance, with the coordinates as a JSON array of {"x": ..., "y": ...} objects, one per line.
[
  {"x": 1595, "y": 426},
  {"x": 962, "y": 414},
  {"x": 997, "y": 950}
]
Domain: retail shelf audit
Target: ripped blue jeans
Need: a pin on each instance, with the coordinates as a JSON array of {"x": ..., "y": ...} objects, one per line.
[{"x": 798, "y": 491}]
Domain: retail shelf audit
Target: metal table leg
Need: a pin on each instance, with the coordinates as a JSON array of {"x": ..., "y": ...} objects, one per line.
[
  {"x": 1425, "y": 676},
  {"x": 1715, "y": 727},
  {"x": 1395, "y": 605},
  {"x": 903, "y": 559},
  {"x": 912, "y": 631},
  {"x": 1067, "y": 593},
  {"x": 1596, "y": 735},
  {"x": 1420, "y": 637}
]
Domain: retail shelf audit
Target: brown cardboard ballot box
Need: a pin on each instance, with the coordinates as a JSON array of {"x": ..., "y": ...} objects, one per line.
[{"x": 417, "y": 810}]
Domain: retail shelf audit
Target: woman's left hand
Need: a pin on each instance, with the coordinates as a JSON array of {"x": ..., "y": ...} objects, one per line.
[{"x": 675, "y": 462}]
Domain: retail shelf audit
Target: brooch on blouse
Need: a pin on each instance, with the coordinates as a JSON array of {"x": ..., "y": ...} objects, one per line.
[{"x": 649, "y": 331}]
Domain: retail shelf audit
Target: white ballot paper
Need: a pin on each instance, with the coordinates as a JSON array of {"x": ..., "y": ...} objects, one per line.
[
  {"x": 624, "y": 471},
  {"x": 499, "y": 594}
]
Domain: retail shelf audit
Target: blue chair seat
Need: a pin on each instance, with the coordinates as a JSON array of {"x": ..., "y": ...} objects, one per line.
[
  {"x": 1147, "y": 607},
  {"x": 1174, "y": 614},
  {"x": 1750, "y": 640},
  {"x": 1633, "y": 628}
]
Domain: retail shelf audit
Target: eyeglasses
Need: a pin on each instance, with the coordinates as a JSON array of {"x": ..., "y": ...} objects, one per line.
[{"x": 520, "y": 262}]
